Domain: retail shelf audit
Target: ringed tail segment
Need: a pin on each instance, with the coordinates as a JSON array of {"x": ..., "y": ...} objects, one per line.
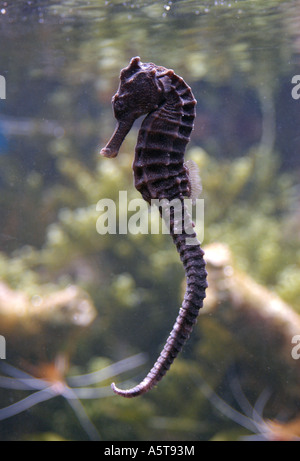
[
  {"x": 160, "y": 173},
  {"x": 194, "y": 265}
]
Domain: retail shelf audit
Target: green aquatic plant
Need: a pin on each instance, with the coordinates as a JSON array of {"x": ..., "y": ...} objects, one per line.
[
  {"x": 254, "y": 216},
  {"x": 72, "y": 245}
]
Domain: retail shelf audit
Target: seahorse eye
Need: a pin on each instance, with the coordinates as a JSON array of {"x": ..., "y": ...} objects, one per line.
[{"x": 119, "y": 104}]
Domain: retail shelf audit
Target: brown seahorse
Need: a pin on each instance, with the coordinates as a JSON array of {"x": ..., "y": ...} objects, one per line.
[{"x": 160, "y": 173}]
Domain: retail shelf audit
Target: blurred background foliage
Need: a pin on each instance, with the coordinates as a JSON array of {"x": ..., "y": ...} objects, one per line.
[{"x": 61, "y": 61}]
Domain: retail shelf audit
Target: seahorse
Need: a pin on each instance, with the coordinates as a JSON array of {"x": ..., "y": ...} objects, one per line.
[{"x": 160, "y": 173}]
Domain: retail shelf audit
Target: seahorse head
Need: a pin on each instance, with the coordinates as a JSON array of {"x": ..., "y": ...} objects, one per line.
[{"x": 141, "y": 91}]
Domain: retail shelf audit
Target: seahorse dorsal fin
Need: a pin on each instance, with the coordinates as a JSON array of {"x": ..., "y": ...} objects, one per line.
[{"x": 195, "y": 180}]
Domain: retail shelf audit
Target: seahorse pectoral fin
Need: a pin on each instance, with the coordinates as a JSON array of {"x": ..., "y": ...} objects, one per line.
[
  {"x": 195, "y": 180},
  {"x": 112, "y": 147}
]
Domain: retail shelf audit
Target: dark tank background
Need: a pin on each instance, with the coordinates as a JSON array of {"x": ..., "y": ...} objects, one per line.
[{"x": 61, "y": 64}]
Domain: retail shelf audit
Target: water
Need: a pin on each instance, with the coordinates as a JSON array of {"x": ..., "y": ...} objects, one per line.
[{"x": 104, "y": 298}]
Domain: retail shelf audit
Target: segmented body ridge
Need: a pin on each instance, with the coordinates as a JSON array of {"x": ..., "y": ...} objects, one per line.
[{"x": 159, "y": 169}]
